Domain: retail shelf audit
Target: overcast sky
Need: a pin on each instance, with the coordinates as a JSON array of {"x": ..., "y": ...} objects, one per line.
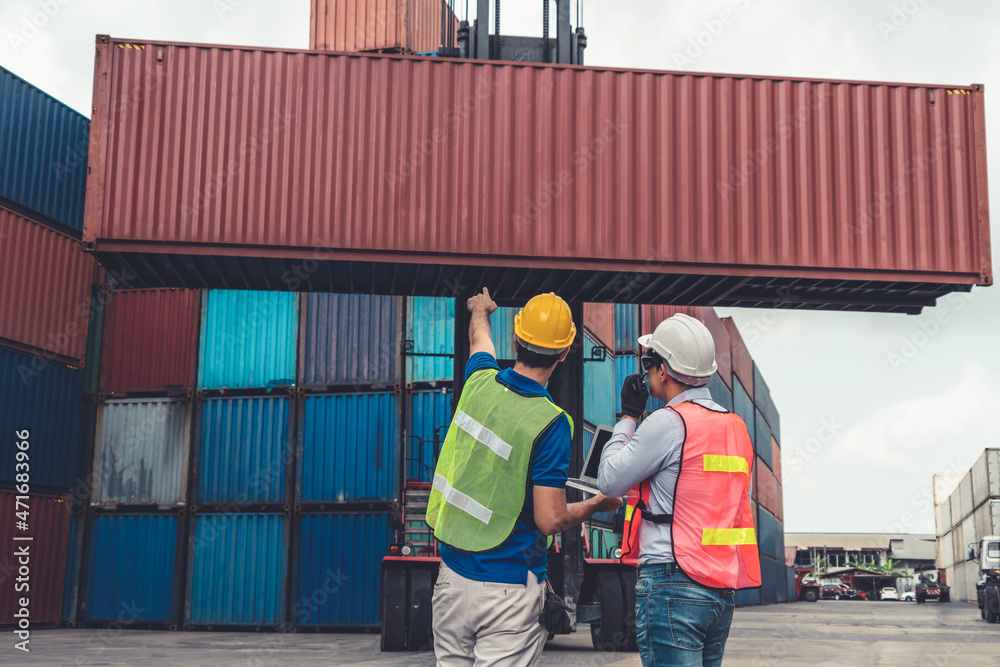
[{"x": 871, "y": 405}]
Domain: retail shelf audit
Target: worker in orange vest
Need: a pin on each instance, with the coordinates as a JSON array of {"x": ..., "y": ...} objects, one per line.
[{"x": 689, "y": 526}]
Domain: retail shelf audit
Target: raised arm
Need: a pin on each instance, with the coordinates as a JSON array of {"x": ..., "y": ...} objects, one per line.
[{"x": 480, "y": 335}]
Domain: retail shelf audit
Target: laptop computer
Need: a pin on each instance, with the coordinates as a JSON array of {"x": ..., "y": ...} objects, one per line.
[{"x": 587, "y": 481}]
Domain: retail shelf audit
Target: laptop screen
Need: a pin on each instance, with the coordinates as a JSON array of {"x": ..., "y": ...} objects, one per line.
[{"x": 601, "y": 438}]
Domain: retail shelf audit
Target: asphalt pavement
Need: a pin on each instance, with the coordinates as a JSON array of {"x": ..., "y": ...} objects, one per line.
[{"x": 848, "y": 633}]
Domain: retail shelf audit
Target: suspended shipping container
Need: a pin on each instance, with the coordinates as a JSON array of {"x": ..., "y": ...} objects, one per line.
[
  {"x": 404, "y": 26},
  {"x": 430, "y": 325},
  {"x": 142, "y": 452},
  {"x": 237, "y": 572},
  {"x": 43, "y": 398},
  {"x": 428, "y": 418},
  {"x": 150, "y": 341},
  {"x": 48, "y": 527},
  {"x": 333, "y": 186},
  {"x": 133, "y": 569},
  {"x": 349, "y": 446},
  {"x": 986, "y": 477},
  {"x": 43, "y": 155},
  {"x": 248, "y": 339},
  {"x": 626, "y": 327},
  {"x": 350, "y": 339},
  {"x": 339, "y": 581},
  {"x": 598, "y": 386},
  {"x": 45, "y": 301},
  {"x": 243, "y": 450}
]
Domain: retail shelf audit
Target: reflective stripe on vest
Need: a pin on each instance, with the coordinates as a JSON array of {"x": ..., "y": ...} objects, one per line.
[
  {"x": 481, "y": 477},
  {"x": 712, "y": 531}
]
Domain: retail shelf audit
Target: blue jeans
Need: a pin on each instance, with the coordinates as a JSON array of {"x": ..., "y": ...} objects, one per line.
[{"x": 678, "y": 621}]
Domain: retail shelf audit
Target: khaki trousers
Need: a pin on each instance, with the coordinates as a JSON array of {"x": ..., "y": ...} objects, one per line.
[{"x": 486, "y": 624}]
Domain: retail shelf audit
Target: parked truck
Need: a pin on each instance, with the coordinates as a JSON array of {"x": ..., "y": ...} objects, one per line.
[
  {"x": 988, "y": 586},
  {"x": 806, "y": 586}
]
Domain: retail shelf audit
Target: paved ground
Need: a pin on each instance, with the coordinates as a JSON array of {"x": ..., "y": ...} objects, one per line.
[{"x": 853, "y": 634}]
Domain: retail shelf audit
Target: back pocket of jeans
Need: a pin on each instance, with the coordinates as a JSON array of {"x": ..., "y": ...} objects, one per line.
[{"x": 689, "y": 621}]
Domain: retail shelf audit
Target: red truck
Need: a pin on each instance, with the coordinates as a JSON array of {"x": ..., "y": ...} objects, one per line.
[{"x": 806, "y": 586}]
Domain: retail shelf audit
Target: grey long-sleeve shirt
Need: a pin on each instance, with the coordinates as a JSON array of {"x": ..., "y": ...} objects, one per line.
[{"x": 651, "y": 451}]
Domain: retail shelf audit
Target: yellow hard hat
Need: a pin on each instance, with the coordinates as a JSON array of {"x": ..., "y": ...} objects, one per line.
[{"x": 545, "y": 324}]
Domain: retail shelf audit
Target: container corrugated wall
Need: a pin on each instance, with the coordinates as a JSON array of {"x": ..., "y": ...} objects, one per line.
[
  {"x": 45, "y": 398},
  {"x": 986, "y": 476},
  {"x": 237, "y": 569},
  {"x": 806, "y": 214},
  {"x": 626, "y": 327},
  {"x": 762, "y": 439},
  {"x": 339, "y": 569},
  {"x": 599, "y": 322},
  {"x": 95, "y": 331},
  {"x": 45, "y": 300},
  {"x": 721, "y": 394},
  {"x": 408, "y": 26},
  {"x": 625, "y": 365},
  {"x": 48, "y": 526},
  {"x": 74, "y": 558},
  {"x": 248, "y": 339},
  {"x": 131, "y": 571},
  {"x": 762, "y": 398},
  {"x": 598, "y": 387},
  {"x": 43, "y": 154},
  {"x": 742, "y": 361},
  {"x": 150, "y": 340},
  {"x": 743, "y": 406},
  {"x": 142, "y": 452},
  {"x": 349, "y": 448},
  {"x": 428, "y": 413},
  {"x": 350, "y": 339},
  {"x": 502, "y": 332},
  {"x": 430, "y": 324},
  {"x": 243, "y": 450}
]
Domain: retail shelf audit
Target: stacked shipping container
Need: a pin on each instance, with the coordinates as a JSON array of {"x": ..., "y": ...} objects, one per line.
[
  {"x": 967, "y": 509},
  {"x": 45, "y": 308}
]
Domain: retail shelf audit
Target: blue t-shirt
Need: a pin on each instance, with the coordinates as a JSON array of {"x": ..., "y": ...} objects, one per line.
[{"x": 524, "y": 549}]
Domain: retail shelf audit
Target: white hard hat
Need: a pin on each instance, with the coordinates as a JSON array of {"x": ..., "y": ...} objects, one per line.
[{"x": 687, "y": 347}]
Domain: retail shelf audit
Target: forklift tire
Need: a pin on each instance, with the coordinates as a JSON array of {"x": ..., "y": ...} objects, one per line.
[
  {"x": 628, "y": 579},
  {"x": 810, "y": 595},
  {"x": 420, "y": 615},
  {"x": 393, "y": 610},
  {"x": 608, "y": 634}
]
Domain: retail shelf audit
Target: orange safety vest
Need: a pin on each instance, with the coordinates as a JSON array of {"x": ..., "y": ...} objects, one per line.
[{"x": 711, "y": 528}]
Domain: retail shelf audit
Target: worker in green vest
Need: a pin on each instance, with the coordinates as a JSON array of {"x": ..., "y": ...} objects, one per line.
[{"x": 500, "y": 489}]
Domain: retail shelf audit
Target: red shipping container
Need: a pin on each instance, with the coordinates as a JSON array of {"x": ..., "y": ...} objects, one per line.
[
  {"x": 45, "y": 300},
  {"x": 48, "y": 526},
  {"x": 599, "y": 322},
  {"x": 741, "y": 359},
  {"x": 650, "y": 316},
  {"x": 768, "y": 491},
  {"x": 353, "y": 172},
  {"x": 776, "y": 459},
  {"x": 407, "y": 26},
  {"x": 150, "y": 341}
]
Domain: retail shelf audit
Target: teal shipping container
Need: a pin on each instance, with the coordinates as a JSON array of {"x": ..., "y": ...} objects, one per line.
[
  {"x": 502, "y": 332},
  {"x": 248, "y": 339},
  {"x": 430, "y": 328},
  {"x": 131, "y": 570},
  {"x": 598, "y": 387},
  {"x": 349, "y": 448},
  {"x": 43, "y": 155},
  {"x": 428, "y": 417},
  {"x": 243, "y": 450},
  {"x": 339, "y": 579},
  {"x": 350, "y": 339},
  {"x": 238, "y": 565}
]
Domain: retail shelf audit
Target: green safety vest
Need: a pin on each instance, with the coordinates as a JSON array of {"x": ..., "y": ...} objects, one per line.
[{"x": 482, "y": 472}]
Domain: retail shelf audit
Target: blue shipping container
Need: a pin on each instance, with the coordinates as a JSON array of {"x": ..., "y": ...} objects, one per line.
[
  {"x": 747, "y": 597},
  {"x": 743, "y": 406},
  {"x": 339, "y": 580},
  {"x": 428, "y": 416},
  {"x": 762, "y": 397},
  {"x": 767, "y": 527},
  {"x": 773, "y": 579},
  {"x": 762, "y": 440},
  {"x": 430, "y": 324},
  {"x": 626, "y": 327},
  {"x": 237, "y": 571},
  {"x": 71, "y": 586},
  {"x": 792, "y": 595},
  {"x": 244, "y": 446},
  {"x": 248, "y": 339},
  {"x": 43, "y": 155},
  {"x": 349, "y": 447},
  {"x": 721, "y": 394},
  {"x": 44, "y": 398},
  {"x": 598, "y": 387},
  {"x": 625, "y": 365},
  {"x": 351, "y": 339},
  {"x": 131, "y": 568}
]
